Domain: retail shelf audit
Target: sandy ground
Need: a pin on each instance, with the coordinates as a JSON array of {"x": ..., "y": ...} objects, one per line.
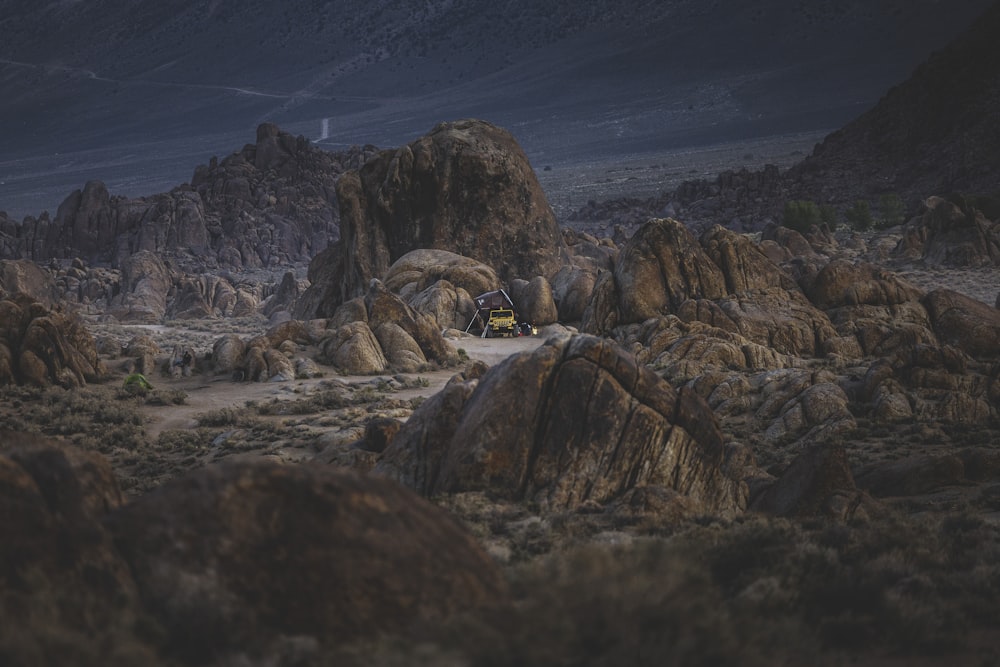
[{"x": 207, "y": 393}]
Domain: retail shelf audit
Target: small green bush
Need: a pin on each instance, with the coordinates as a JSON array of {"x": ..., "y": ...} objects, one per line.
[
  {"x": 892, "y": 211},
  {"x": 801, "y": 215},
  {"x": 859, "y": 216}
]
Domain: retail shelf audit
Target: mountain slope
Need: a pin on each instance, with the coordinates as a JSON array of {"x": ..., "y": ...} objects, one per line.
[
  {"x": 88, "y": 83},
  {"x": 937, "y": 132}
]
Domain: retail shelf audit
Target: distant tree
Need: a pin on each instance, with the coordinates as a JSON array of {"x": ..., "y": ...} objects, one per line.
[
  {"x": 859, "y": 216},
  {"x": 828, "y": 216},
  {"x": 800, "y": 215},
  {"x": 892, "y": 211}
]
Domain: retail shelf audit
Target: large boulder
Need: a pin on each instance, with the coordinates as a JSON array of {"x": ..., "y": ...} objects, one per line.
[
  {"x": 354, "y": 349},
  {"x": 146, "y": 281},
  {"x": 233, "y": 556},
  {"x": 576, "y": 421},
  {"x": 951, "y": 233},
  {"x": 450, "y": 307},
  {"x": 66, "y": 595},
  {"x": 42, "y": 347},
  {"x": 963, "y": 321},
  {"x": 25, "y": 277},
  {"x": 843, "y": 283},
  {"x": 466, "y": 187},
  {"x": 743, "y": 264},
  {"x": 421, "y": 268},
  {"x": 384, "y": 307},
  {"x": 534, "y": 301},
  {"x": 661, "y": 267}
]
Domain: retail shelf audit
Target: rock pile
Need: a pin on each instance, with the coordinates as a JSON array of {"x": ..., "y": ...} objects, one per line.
[
  {"x": 42, "y": 347},
  {"x": 792, "y": 355},
  {"x": 576, "y": 422},
  {"x": 234, "y": 559},
  {"x": 271, "y": 204},
  {"x": 466, "y": 187}
]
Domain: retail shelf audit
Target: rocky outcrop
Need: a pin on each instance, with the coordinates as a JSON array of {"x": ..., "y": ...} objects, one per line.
[
  {"x": 466, "y": 187},
  {"x": 232, "y": 559},
  {"x": 235, "y": 555},
  {"x": 271, "y": 204},
  {"x": 964, "y": 322},
  {"x": 950, "y": 233},
  {"x": 441, "y": 285},
  {"x": 58, "y": 566},
  {"x": 25, "y": 277},
  {"x": 722, "y": 281},
  {"x": 272, "y": 357},
  {"x": 196, "y": 297},
  {"x": 42, "y": 347},
  {"x": 146, "y": 282},
  {"x": 534, "y": 301},
  {"x": 382, "y": 332},
  {"x": 577, "y": 421}
]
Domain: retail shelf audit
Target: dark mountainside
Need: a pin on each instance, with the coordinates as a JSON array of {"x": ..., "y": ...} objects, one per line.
[
  {"x": 133, "y": 93},
  {"x": 937, "y": 132}
]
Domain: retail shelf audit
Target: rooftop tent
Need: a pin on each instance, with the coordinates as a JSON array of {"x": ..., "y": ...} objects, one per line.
[{"x": 494, "y": 300}]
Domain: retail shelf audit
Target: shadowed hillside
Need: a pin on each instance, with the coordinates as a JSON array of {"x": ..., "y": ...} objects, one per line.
[
  {"x": 936, "y": 132},
  {"x": 133, "y": 93}
]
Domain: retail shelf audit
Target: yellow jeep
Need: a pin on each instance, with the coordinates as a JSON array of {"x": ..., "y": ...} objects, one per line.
[{"x": 501, "y": 323}]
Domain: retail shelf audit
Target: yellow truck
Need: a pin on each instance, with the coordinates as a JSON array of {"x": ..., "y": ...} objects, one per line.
[
  {"x": 497, "y": 316},
  {"x": 500, "y": 323}
]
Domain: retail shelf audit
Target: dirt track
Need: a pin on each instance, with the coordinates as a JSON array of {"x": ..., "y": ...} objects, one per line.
[{"x": 206, "y": 393}]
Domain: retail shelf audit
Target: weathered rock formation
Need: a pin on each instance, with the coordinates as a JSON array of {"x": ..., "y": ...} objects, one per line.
[
  {"x": 238, "y": 554},
  {"x": 577, "y": 421},
  {"x": 722, "y": 281},
  {"x": 950, "y": 234},
  {"x": 466, "y": 187},
  {"x": 380, "y": 332},
  {"x": 441, "y": 285},
  {"x": 25, "y": 277},
  {"x": 271, "y": 204},
  {"x": 275, "y": 356},
  {"x": 231, "y": 559},
  {"x": 41, "y": 347}
]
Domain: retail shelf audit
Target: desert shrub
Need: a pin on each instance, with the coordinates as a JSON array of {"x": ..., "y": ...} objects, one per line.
[
  {"x": 800, "y": 215},
  {"x": 166, "y": 397},
  {"x": 892, "y": 211},
  {"x": 859, "y": 216},
  {"x": 92, "y": 417},
  {"x": 828, "y": 215},
  {"x": 226, "y": 417}
]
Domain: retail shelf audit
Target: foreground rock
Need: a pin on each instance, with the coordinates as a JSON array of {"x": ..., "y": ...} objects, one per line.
[
  {"x": 66, "y": 594},
  {"x": 466, "y": 187},
  {"x": 234, "y": 559},
  {"x": 232, "y": 556},
  {"x": 573, "y": 423}
]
